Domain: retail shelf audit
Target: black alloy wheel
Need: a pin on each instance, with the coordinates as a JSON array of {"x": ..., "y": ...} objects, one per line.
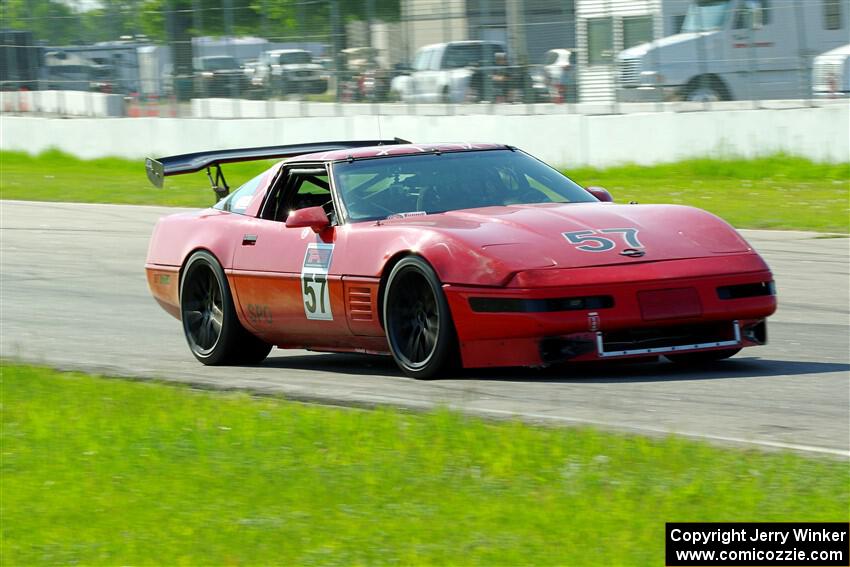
[
  {"x": 203, "y": 311},
  {"x": 210, "y": 323},
  {"x": 417, "y": 320}
]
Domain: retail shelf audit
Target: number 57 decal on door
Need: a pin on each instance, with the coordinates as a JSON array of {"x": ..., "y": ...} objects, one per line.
[{"x": 314, "y": 281}]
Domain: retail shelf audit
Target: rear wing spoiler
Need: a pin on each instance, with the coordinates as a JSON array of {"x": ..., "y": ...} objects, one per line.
[{"x": 160, "y": 168}]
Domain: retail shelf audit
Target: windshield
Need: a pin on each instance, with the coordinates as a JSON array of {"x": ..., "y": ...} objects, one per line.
[
  {"x": 471, "y": 54},
  {"x": 294, "y": 58},
  {"x": 434, "y": 183},
  {"x": 706, "y": 15},
  {"x": 218, "y": 63}
]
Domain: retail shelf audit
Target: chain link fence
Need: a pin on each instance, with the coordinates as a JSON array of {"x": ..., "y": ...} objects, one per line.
[{"x": 277, "y": 58}]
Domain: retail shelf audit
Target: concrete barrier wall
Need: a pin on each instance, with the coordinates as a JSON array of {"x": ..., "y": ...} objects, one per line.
[
  {"x": 237, "y": 108},
  {"x": 67, "y": 103},
  {"x": 819, "y": 133}
]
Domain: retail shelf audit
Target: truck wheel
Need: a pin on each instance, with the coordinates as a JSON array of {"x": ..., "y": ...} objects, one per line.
[{"x": 705, "y": 89}]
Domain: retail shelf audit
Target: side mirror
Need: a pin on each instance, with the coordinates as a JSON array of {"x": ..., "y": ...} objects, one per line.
[
  {"x": 313, "y": 217},
  {"x": 600, "y": 193}
]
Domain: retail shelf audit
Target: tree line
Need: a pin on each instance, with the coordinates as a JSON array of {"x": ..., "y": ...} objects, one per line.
[{"x": 53, "y": 22}]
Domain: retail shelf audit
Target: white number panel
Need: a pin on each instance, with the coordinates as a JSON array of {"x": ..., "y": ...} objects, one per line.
[{"x": 314, "y": 281}]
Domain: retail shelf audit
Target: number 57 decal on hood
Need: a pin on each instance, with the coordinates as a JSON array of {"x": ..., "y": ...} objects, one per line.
[
  {"x": 314, "y": 281},
  {"x": 592, "y": 241}
]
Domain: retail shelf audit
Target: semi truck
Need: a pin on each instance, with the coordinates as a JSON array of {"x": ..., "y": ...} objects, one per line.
[{"x": 735, "y": 50}]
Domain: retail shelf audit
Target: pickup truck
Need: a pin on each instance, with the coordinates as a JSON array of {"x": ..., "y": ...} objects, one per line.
[{"x": 449, "y": 72}]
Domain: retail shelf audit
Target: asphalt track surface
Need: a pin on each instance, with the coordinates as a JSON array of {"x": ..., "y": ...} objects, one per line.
[{"x": 73, "y": 295}]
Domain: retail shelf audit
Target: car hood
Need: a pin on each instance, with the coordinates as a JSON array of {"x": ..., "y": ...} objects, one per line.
[
  {"x": 301, "y": 67},
  {"x": 228, "y": 72},
  {"x": 519, "y": 237},
  {"x": 681, "y": 42}
]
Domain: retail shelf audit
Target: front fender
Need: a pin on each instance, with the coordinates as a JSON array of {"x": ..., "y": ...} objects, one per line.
[
  {"x": 458, "y": 83},
  {"x": 455, "y": 261}
]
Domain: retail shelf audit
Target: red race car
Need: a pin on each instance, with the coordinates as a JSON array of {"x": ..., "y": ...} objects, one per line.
[{"x": 441, "y": 254}]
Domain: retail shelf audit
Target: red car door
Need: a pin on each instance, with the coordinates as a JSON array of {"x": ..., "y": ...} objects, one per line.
[{"x": 286, "y": 289}]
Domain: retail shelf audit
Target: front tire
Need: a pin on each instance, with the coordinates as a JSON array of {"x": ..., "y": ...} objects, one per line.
[
  {"x": 417, "y": 320},
  {"x": 210, "y": 323},
  {"x": 445, "y": 96},
  {"x": 706, "y": 89}
]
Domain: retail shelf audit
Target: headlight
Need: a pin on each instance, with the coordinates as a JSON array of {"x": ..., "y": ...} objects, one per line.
[
  {"x": 539, "y": 278},
  {"x": 651, "y": 78}
]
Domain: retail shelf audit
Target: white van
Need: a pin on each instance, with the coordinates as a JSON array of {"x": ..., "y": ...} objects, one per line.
[
  {"x": 831, "y": 73},
  {"x": 735, "y": 50}
]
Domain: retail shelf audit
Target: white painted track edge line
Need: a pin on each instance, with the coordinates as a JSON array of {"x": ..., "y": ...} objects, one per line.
[
  {"x": 261, "y": 388},
  {"x": 637, "y": 428}
]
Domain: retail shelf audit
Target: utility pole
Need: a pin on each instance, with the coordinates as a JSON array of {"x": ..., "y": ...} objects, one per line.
[
  {"x": 197, "y": 17},
  {"x": 515, "y": 12},
  {"x": 370, "y": 20},
  {"x": 337, "y": 42}
]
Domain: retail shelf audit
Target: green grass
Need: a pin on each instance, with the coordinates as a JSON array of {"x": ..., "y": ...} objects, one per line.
[
  {"x": 107, "y": 471},
  {"x": 781, "y": 192},
  {"x": 53, "y": 176}
]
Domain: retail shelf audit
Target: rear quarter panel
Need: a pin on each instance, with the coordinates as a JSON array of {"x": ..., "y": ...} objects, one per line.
[{"x": 175, "y": 238}]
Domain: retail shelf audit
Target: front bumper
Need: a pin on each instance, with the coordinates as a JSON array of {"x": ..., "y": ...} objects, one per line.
[
  {"x": 300, "y": 84},
  {"x": 830, "y": 94},
  {"x": 660, "y": 93},
  {"x": 599, "y": 314}
]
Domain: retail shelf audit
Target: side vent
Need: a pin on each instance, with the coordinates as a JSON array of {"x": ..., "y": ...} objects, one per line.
[
  {"x": 361, "y": 301},
  {"x": 360, "y": 304}
]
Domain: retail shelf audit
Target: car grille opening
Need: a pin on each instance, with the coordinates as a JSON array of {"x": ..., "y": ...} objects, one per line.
[
  {"x": 756, "y": 333},
  {"x": 558, "y": 349},
  {"x": 633, "y": 341},
  {"x": 517, "y": 305},
  {"x": 746, "y": 290}
]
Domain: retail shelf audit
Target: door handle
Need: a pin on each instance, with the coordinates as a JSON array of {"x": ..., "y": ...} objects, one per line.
[{"x": 249, "y": 240}]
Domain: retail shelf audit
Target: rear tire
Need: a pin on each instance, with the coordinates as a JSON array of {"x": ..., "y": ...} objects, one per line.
[
  {"x": 210, "y": 324},
  {"x": 417, "y": 320},
  {"x": 708, "y": 356}
]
